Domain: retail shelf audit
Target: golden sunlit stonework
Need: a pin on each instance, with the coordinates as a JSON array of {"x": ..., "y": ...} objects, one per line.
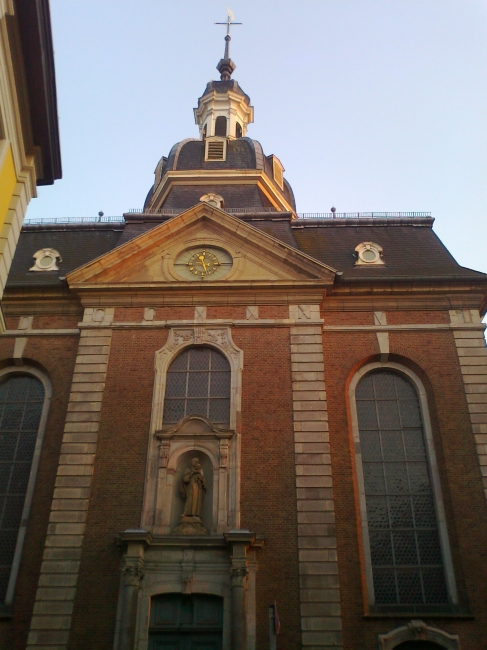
[{"x": 29, "y": 138}]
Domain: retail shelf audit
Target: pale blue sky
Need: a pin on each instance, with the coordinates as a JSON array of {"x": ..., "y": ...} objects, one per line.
[{"x": 371, "y": 105}]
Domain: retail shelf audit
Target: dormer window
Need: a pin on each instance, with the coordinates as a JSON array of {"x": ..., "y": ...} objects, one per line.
[
  {"x": 46, "y": 259},
  {"x": 215, "y": 149},
  {"x": 221, "y": 126},
  {"x": 368, "y": 253},
  {"x": 215, "y": 200}
]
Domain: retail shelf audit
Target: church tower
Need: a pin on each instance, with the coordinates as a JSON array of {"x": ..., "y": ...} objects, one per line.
[{"x": 223, "y": 166}]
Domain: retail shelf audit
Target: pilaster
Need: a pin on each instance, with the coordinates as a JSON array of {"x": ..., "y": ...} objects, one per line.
[
  {"x": 56, "y": 590},
  {"x": 319, "y": 588},
  {"x": 472, "y": 355}
]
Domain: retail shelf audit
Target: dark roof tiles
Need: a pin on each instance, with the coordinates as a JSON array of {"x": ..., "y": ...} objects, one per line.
[{"x": 408, "y": 251}]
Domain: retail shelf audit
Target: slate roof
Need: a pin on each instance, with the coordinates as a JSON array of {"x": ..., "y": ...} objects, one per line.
[
  {"x": 235, "y": 196},
  {"x": 411, "y": 252},
  {"x": 77, "y": 246},
  {"x": 242, "y": 154},
  {"x": 223, "y": 87}
]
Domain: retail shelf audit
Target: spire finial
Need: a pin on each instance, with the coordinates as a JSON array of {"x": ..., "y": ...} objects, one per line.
[{"x": 226, "y": 66}]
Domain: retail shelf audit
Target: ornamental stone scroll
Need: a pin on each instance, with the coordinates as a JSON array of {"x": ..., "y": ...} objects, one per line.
[{"x": 417, "y": 630}]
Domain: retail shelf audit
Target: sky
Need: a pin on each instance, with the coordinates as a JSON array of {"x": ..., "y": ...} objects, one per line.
[{"x": 371, "y": 105}]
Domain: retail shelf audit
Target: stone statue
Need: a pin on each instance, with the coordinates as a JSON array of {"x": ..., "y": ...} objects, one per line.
[{"x": 192, "y": 490}]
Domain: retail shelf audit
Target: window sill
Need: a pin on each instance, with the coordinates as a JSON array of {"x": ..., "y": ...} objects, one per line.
[{"x": 423, "y": 611}]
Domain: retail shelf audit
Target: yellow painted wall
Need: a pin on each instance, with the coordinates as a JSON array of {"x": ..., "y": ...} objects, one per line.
[{"x": 8, "y": 180}]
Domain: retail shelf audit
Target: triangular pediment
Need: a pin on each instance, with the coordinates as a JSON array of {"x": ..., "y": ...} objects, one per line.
[{"x": 160, "y": 256}]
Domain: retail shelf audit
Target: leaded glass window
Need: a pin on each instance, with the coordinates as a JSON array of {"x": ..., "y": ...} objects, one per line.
[
  {"x": 21, "y": 402},
  {"x": 406, "y": 557},
  {"x": 198, "y": 383}
]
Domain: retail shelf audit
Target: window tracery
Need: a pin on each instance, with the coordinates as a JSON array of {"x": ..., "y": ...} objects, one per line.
[
  {"x": 198, "y": 383},
  {"x": 21, "y": 405},
  {"x": 405, "y": 549},
  {"x": 407, "y": 556}
]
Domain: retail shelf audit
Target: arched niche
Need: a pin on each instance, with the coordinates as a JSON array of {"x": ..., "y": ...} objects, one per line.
[{"x": 178, "y": 501}]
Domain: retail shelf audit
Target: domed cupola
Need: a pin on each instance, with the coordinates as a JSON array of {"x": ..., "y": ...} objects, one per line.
[{"x": 223, "y": 166}]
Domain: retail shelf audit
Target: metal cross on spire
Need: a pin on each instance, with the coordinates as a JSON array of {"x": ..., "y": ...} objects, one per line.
[{"x": 228, "y": 38}]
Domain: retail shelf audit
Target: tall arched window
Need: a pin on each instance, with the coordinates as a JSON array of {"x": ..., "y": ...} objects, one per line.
[
  {"x": 406, "y": 558},
  {"x": 198, "y": 383},
  {"x": 221, "y": 126},
  {"x": 21, "y": 404}
]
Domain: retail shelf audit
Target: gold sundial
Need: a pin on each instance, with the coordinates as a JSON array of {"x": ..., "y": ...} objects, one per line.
[{"x": 203, "y": 263}]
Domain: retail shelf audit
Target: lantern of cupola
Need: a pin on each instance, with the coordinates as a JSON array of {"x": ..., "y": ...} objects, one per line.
[{"x": 224, "y": 109}]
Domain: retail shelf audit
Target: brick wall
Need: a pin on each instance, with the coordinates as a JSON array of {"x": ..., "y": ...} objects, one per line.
[
  {"x": 268, "y": 493},
  {"x": 118, "y": 483},
  {"x": 432, "y": 354}
]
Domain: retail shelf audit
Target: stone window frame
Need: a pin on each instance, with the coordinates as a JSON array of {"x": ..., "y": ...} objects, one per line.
[
  {"x": 364, "y": 246},
  {"x": 417, "y": 630},
  {"x": 215, "y": 200},
  {"x": 38, "y": 374},
  {"x": 160, "y": 457},
  {"x": 43, "y": 253},
  {"x": 433, "y": 466}
]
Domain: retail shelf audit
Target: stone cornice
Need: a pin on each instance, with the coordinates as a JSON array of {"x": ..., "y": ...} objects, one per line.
[{"x": 223, "y": 177}]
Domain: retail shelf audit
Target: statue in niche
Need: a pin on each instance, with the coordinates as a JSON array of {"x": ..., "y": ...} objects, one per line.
[{"x": 192, "y": 490}]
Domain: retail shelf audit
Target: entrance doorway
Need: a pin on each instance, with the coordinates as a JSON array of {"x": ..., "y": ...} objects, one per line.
[{"x": 186, "y": 622}]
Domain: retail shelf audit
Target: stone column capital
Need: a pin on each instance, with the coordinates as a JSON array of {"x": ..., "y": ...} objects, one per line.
[
  {"x": 133, "y": 574},
  {"x": 238, "y": 576}
]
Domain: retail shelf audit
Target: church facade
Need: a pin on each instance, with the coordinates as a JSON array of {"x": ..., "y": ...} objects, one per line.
[{"x": 221, "y": 421}]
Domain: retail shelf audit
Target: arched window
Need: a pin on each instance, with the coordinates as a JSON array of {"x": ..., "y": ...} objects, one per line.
[
  {"x": 21, "y": 404},
  {"x": 198, "y": 383},
  {"x": 221, "y": 126},
  {"x": 238, "y": 130},
  {"x": 402, "y": 532}
]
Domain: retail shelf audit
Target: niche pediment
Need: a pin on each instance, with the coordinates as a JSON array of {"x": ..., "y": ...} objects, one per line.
[
  {"x": 193, "y": 426},
  {"x": 163, "y": 256}
]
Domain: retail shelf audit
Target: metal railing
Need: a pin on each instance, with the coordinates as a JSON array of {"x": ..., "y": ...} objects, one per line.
[
  {"x": 175, "y": 211},
  {"x": 360, "y": 215},
  {"x": 63, "y": 220}
]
